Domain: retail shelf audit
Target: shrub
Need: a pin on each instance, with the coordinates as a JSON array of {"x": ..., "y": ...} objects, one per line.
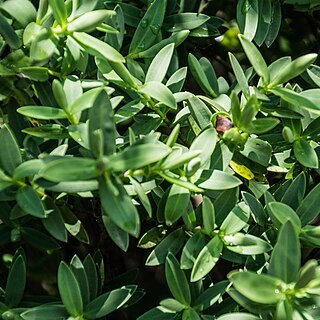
[{"x": 159, "y": 125}]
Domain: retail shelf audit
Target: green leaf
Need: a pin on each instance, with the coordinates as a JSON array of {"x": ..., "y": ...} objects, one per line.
[
  {"x": 59, "y": 11},
  {"x": 295, "y": 98},
  {"x": 236, "y": 220},
  {"x": 177, "y": 280},
  {"x": 159, "y": 92},
  {"x": 190, "y": 314},
  {"x": 149, "y": 27},
  {"x": 118, "y": 236},
  {"x": 246, "y": 244},
  {"x": 54, "y": 222},
  {"x": 16, "y": 282},
  {"x": 32, "y": 236},
  {"x": 107, "y": 302},
  {"x": 262, "y": 125},
  {"x": 35, "y": 73},
  {"x": 138, "y": 156},
  {"x": 211, "y": 295},
  {"x": 255, "y": 59},
  {"x": 21, "y": 10},
  {"x": 176, "y": 38},
  {"x": 152, "y": 237},
  {"x": 176, "y": 204},
  {"x": 69, "y": 290},
  {"x": 251, "y": 19},
  {"x": 308, "y": 208},
  {"x": 208, "y": 215},
  {"x": 102, "y": 131},
  {"x": 219, "y": 180},
  {"x": 74, "y": 225},
  {"x": 92, "y": 276},
  {"x": 158, "y": 313},
  {"x": 42, "y": 112},
  {"x": 185, "y": 21},
  {"x": 200, "y": 112},
  {"x": 238, "y": 72},
  {"x": 192, "y": 249},
  {"x": 160, "y": 64},
  {"x": 286, "y": 250},
  {"x": 10, "y": 156},
  {"x": 177, "y": 158},
  {"x": 306, "y": 274},
  {"x": 256, "y": 208},
  {"x": 207, "y": 259},
  {"x": 118, "y": 205},
  {"x": 305, "y": 154},
  {"x": 79, "y": 272},
  {"x": 199, "y": 73},
  {"x": 238, "y": 316},
  {"x": 171, "y": 243},
  {"x": 265, "y": 11},
  {"x": 29, "y": 200},
  {"x": 45, "y": 312},
  {"x": 280, "y": 213},
  {"x": 8, "y": 33},
  {"x": 260, "y": 288},
  {"x": 295, "y": 193},
  {"x": 142, "y": 196},
  {"x": 275, "y": 23},
  {"x": 89, "y": 20},
  {"x": 97, "y": 47},
  {"x": 172, "y": 304},
  {"x": 293, "y": 69},
  {"x": 258, "y": 151},
  {"x": 70, "y": 169}
]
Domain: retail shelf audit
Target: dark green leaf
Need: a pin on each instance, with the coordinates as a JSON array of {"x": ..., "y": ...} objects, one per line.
[
  {"x": 69, "y": 290},
  {"x": 177, "y": 280},
  {"x": 16, "y": 282},
  {"x": 118, "y": 205},
  {"x": 10, "y": 156},
  {"x": 308, "y": 208},
  {"x": 149, "y": 27},
  {"x": 176, "y": 205},
  {"x": 29, "y": 200},
  {"x": 305, "y": 154},
  {"x": 286, "y": 250},
  {"x": 172, "y": 243},
  {"x": 207, "y": 259},
  {"x": 107, "y": 302}
]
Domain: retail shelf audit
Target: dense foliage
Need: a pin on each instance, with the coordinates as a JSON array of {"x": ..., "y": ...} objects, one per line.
[{"x": 183, "y": 135}]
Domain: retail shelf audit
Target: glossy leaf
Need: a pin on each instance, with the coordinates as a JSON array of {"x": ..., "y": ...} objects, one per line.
[
  {"x": 260, "y": 288},
  {"x": 192, "y": 249},
  {"x": 149, "y": 27},
  {"x": 206, "y": 259}
]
